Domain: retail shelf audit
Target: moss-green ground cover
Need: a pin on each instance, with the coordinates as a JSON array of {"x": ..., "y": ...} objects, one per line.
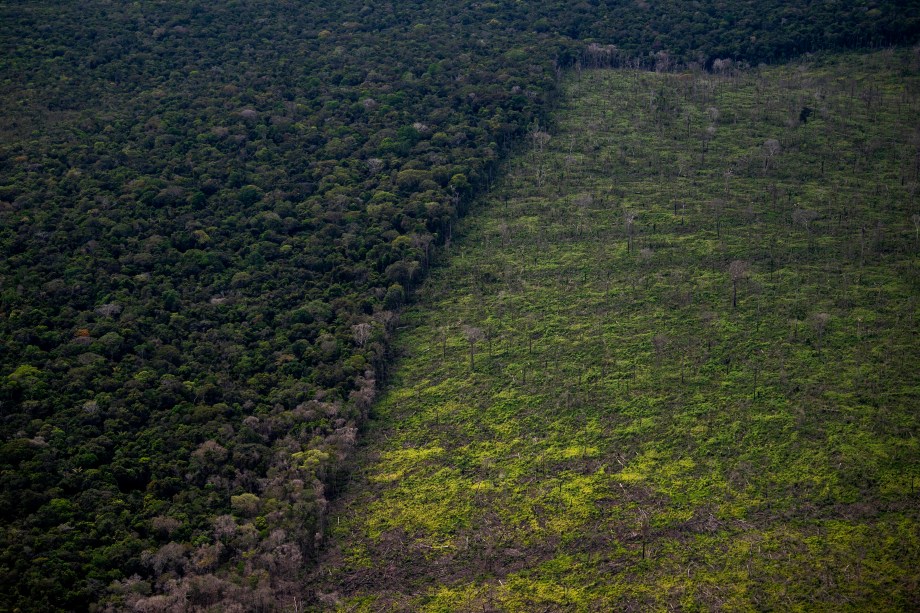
[{"x": 583, "y": 420}]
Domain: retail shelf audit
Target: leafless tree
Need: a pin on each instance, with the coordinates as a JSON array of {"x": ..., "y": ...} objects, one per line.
[
  {"x": 737, "y": 270},
  {"x": 804, "y": 218},
  {"x": 717, "y": 205},
  {"x": 771, "y": 148},
  {"x": 423, "y": 243},
  {"x": 442, "y": 335},
  {"x": 112, "y": 309},
  {"x": 819, "y": 322},
  {"x": 540, "y": 139},
  {"x": 660, "y": 343},
  {"x": 374, "y": 165},
  {"x": 708, "y": 135},
  {"x": 362, "y": 333},
  {"x": 629, "y": 220},
  {"x": 721, "y": 66},
  {"x": 663, "y": 61},
  {"x": 473, "y": 335},
  {"x": 601, "y": 56}
]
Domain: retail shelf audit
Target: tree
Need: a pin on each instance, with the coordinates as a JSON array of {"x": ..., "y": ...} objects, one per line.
[
  {"x": 717, "y": 205},
  {"x": 771, "y": 148},
  {"x": 539, "y": 139},
  {"x": 473, "y": 335},
  {"x": 737, "y": 270},
  {"x": 361, "y": 333},
  {"x": 804, "y": 218},
  {"x": 629, "y": 220},
  {"x": 819, "y": 322},
  {"x": 660, "y": 343}
]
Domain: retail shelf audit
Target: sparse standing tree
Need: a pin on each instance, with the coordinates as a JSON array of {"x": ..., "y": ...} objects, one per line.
[
  {"x": 804, "y": 217},
  {"x": 717, "y": 205},
  {"x": 660, "y": 343},
  {"x": 443, "y": 332},
  {"x": 362, "y": 333},
  {"x": 473, "y": 335},
  {"x": 708, "y": 135},
  {"x": 819, "y": 323},
  {"x": 629, "y": 219},
  {"x": 771, "y": 148},
  {"x": 540, "y": 139},
  {"x": 737, "y": 270},
  {"x": 375, "y": 165}
]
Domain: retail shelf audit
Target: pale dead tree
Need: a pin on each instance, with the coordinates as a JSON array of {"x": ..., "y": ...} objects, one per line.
[
  {"x": 600, "y": 56},
  {"x": 210, "y": 452},
  {"x": 728, "y": 175},
  {"x": 170, "y": 556},
  {"x": 663, "y": 61},
  {"x": 717, "y": 205},
  {"x": 165, "y": 525},
  {"x": 112, "y": 309},
  {"x": 388, "y": 319},
  {"x": 629, "y": 221},
  {"x": 423, "y": 243},
  {"x": 225, "y": 528},
  {"x": 660, "y": 343},
  {"x": 374, "y": 165},
  {"x": 750, "y": 213},
  {"x": 473, "y": 335},
  {"x": 771, "y": 148},
  {"x": 443, "y": 331},
  {"x": 682, "y": 205},
  {"x": 804, "y": 218},
  {"x": 540, "y": 139},
  {"x": 721, "y": 66},
  {"x": 819, "y": 322},
  {"x": 366, "y": 391},
  {"x": 361, "y": 333},
  {"x": 708, "y": 135},
  {"x": 584, "y": 201},
  {"x": 737, "y": 270}
]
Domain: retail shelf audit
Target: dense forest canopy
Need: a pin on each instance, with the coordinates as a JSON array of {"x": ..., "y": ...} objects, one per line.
[{"x": 210, "y": 216}]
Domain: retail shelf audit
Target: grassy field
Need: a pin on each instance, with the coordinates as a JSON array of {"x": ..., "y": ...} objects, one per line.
[{"x": 670, "y": 363}]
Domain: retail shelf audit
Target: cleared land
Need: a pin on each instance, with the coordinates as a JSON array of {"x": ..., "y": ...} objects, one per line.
[{"x": 672, "y": 362}]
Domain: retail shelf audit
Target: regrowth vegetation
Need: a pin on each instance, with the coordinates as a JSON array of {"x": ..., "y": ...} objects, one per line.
[{"x": 695, "y": 380}]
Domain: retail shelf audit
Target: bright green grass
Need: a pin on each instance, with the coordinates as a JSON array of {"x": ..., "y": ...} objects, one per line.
[{"x": 627, "y": 439}]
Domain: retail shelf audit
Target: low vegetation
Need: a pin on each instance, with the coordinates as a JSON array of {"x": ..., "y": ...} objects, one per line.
[{"x": 671, "y": 363}]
